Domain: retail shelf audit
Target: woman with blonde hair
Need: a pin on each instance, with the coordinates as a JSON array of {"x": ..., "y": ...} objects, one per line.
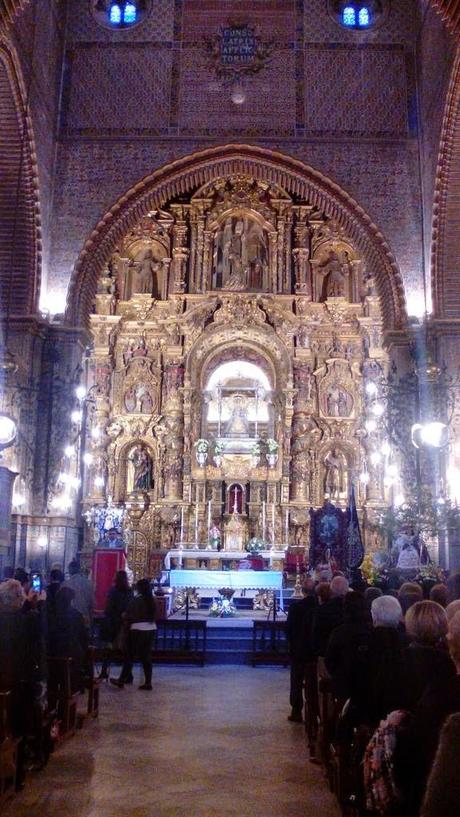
[
  {"x": 426, "y": 658},
  {"x": 416, "y": 750}
]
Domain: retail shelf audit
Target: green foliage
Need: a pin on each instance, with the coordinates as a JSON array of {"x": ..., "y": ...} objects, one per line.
[{"x": 422, "y": 514}]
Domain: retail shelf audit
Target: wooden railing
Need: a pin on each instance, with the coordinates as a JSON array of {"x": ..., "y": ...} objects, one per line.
[
  {"x": 180, "y": 641},
  {"x": 269, "y": 643}
]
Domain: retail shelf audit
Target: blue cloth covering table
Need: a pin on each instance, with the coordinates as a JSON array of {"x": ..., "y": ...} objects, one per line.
[{"x": 236, "y": 579}]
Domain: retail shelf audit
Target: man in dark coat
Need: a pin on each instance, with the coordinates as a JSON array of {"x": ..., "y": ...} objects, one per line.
[
  {"x": 329, "y": 615},
  {"x": 299, "y": 633}
]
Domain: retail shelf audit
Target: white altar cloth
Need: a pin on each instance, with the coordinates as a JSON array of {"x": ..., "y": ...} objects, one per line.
[
  {"x": 236, "y": 579},
  {"x": 202, "y": 553}
]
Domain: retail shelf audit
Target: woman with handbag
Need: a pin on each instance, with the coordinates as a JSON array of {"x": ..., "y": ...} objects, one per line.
[{"x": 140, "y": 618}]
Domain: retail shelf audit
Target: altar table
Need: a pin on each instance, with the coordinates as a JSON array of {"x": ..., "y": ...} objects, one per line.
[
  {"x": 277, "y": 554},
  {"x": 236, "y": 579}
]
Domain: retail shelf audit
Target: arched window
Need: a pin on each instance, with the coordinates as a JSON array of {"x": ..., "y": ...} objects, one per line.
[
  {"x": 358, "y": 14},
  {"x": 120, "y": 14}
]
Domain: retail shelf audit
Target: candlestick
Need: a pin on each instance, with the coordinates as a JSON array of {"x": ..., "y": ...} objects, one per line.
[
  {"x": 182, "y": 524},
  {"x": 263, "y": 521},
  {"x": 209, "y": 516},
  {"x": 273, "y": 523},
  {"x": 196, "y": 523},
  {"x": 286, "y": 522}
]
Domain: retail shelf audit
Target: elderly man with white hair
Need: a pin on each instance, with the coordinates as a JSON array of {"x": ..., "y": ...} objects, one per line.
[{"x": 380, "y": 668}]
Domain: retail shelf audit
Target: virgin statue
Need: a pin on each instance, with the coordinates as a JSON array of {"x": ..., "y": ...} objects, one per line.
[{"x": 238, "y": 424}]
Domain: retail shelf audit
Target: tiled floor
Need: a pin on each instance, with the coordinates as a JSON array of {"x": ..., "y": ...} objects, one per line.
[{"x": 210, "y": 742}]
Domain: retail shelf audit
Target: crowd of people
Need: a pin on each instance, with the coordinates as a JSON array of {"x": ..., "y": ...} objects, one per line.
[
  {"x": 56, "y": 622},
  {"x": 391, "y": 663}
]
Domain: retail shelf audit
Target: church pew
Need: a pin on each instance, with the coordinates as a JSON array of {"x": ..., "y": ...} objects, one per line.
[
  {"x": 92, "y": 684},
  {"x": 9, "y": 749},
  {"x": 60, "y": 695}
]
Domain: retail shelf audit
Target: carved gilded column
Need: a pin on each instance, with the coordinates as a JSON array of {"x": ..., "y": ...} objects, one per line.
[
  {"x": 301, "y": 253},
  {"x": 207, "y": 260},
  {"x": 172, "y": 431},
  {"x": 273, "y": 244},
  {"x": 180, "y": 252}
]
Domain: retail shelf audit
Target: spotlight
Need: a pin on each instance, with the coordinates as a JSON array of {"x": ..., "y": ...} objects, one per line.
[
  {"x": 76, "y": 416},
  {"x": 433, "y": 435},
  {"x": 87, "y": 458},
  {"x": 377, "y": 409},
  {"x": 371, "y": 389},
  {"x": 80, "y": 392},
  {"x": 370, "y": 425},
  {"x": 69, "y": 451}
]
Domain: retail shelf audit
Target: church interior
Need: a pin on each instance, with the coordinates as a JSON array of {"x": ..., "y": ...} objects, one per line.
[{"x": 230, "y": 371}]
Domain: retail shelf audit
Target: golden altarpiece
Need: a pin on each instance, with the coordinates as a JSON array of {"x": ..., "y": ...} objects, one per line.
[{"x": 234, "y": 333}]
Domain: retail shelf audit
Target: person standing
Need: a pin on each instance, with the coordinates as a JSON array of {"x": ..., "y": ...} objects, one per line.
[
  {"x": 118, "y": 599},
  {"x": 84, "y": 593},
  {"x": 299, "y": 634},
  {"x": 140, "y": 617}
]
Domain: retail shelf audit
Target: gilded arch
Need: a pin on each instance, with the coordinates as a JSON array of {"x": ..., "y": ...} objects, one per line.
[{"x": 191, "y": 172}]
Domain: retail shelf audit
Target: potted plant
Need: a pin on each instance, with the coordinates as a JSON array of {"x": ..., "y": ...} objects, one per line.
[
  {"x": 201, "y": 451},
  {"x": 272, "y": 452},
  {"x": 218, "y": 452},
  {"x": 255, "y": 453}
]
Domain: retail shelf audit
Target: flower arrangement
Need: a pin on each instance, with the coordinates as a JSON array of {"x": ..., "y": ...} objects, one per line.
[
  {"x": 255, "y": 545},
  {"x": 222, "y": 608},
  {"x": 256, "y": 449},
  {"x": 430, "y": 573},
  {"x": 272, "y": 446},
  {"x": 218, "y": 448},
  {"x": 202, "y": 446}
]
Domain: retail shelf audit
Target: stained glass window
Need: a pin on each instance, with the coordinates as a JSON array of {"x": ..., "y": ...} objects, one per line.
[
  {"x": 364, "y": 17},
  {"x": 115, "y": 14},
  {"x": 356, "y": 15},
  {"x": 349, "y": 16},
  {"x": 130, "y": 13}
]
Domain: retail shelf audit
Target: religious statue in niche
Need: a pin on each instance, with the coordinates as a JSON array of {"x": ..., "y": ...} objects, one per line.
[
  {"x": 146, "y": 275},
  {"x": 238, "y": 423},
  {"x": 335, "y": 272},
  {"x": 335, "y": 474},
  {"x": 240, "y": 255},
  {"x": 337, "y": 402},
  {"x": 138, "y": 399},
  {"x": 135, "y": 348},
  {"x": 141, "y": 468}
]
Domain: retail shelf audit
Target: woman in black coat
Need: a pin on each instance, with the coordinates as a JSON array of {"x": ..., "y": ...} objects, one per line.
[{"x": 118, "y": 599}]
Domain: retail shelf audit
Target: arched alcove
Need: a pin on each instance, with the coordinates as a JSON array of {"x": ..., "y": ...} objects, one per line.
[{"x": 188, "y": 174}]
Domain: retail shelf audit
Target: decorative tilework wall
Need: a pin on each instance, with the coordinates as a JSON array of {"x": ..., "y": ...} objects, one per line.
[{"x": 125, "y": 90}]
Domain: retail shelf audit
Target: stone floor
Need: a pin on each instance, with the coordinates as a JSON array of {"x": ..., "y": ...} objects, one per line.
[{"x": 211, "y": 742}]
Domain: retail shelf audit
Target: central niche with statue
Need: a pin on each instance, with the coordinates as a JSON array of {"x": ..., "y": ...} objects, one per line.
[
  {"x": 234, "y": 332},
  {"x": 238, "y": 407}
]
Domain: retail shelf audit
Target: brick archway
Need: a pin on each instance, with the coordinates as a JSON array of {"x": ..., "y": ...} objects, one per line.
[
  {"x": 19, "y": 206},
  {"x": 445, "y": 249},
  {"x": 190, "y": 172}
]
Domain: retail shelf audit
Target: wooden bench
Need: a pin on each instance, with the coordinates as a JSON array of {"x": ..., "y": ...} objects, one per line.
[
  {"x": 60, "y": 695},
  {"x": 9, "y": 749},
  {"x": 92, "y": 685}
]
